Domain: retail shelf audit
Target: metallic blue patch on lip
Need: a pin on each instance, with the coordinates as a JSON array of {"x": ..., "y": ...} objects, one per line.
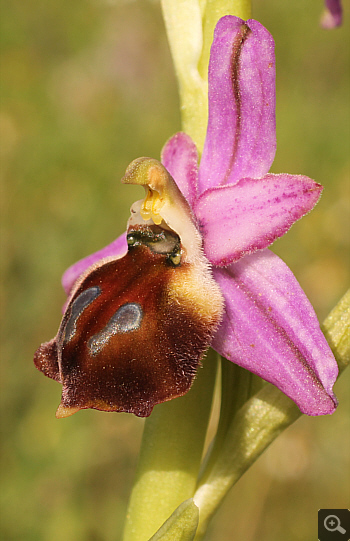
[
  {"x": 126, "y": 319},
  {"x": 78, "y": 306}
]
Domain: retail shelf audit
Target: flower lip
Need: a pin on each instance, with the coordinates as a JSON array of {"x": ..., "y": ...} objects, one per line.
[{"x": 126, "y": 340}]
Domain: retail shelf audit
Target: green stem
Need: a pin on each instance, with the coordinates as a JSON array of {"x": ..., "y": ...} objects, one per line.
[
  {"x": 170, "y": 457},
  {"x": 237, "y": 386},
  {"x": 181, "y": 525},
  {"x": 336, "y": 328},
  {"x": 259, "y": 421},
  {"x": 214, "y": 10},
  {"x": 190, "y": 27}
]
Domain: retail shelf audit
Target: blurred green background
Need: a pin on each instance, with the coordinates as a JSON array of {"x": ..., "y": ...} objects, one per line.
[{"x": 87, "y": 86}]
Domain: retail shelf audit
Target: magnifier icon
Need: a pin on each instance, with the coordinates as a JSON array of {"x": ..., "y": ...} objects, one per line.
[{"x": 332, "y": 524}]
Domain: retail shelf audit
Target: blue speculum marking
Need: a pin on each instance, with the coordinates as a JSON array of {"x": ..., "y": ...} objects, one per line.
[
  {"x": 126, "y": 319},
  {"x": 78, "y": 306}
]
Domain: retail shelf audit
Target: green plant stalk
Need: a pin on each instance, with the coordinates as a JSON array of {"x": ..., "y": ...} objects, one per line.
[
  {"x": 258, "y": 423},
  {"x": 190, "y": 27},
  {"x": 336, "y": 328},
  {"x": 214, "y": 10},
  {"x": 181, "y": 525},
  {"x": 171, "y": 453},
  {"x": 237, "y": 386}
]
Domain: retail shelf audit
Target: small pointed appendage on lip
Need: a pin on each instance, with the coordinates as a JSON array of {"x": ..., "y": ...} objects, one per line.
[{"x": 63, "y": 411}]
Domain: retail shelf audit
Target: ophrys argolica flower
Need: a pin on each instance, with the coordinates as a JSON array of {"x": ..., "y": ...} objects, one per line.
[{"x": 193, "y": 269}]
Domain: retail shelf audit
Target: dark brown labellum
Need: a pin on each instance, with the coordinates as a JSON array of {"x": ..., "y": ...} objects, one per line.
[{"x": 130, "y": 337}]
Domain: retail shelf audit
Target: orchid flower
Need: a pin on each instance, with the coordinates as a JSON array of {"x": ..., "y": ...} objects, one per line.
[
  {"x": 333, "y": 15},
  {"x": 194, "y": 269}
]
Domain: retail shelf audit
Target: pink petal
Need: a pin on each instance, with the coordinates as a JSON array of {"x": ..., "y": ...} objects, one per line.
[
  {"x": 180, "y": 158},
  {"x": 117, "y": 248},
  {"x": 271, "y": 329},
  {"x": 239, "y": 219},
  {"x": 333, "y": 15},
  {"x": 241, "y": 138}
]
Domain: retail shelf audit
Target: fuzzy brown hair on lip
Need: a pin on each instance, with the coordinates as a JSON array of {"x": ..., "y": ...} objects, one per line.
[{"x": 125, "y": 342}]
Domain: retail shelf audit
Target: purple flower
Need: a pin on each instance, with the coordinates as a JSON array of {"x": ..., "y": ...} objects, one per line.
[
  {"x": 333, "y": 15},
  {"x": 268, "y": 325}
]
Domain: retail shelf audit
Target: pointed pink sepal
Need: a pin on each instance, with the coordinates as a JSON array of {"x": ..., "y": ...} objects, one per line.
[
  {"x": 180, "y": 158},
  {"x": 239, "y": 219},
  {"x": 271, "y": 329},
  {"x": 241, "y": 135}
]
